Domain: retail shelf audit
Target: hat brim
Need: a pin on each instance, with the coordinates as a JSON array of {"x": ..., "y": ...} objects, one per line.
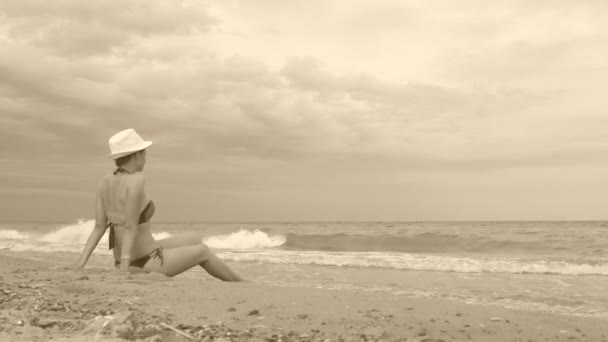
[{"x": 134, "y": 149}]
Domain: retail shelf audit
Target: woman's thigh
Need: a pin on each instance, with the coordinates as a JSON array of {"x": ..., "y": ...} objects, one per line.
[
  {"x": 187, "y": 239},
  {"x": 177, "y": 260}
]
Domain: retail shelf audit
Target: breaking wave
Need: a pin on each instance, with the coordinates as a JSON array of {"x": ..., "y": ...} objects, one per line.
[{"x": 245, "y": 239}]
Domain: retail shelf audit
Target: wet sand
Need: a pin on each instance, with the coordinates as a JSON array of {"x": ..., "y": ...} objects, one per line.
[{"x": 40, "y": 301}]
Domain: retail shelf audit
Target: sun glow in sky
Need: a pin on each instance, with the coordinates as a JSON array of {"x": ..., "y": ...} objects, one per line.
[{"x": 309, "y": 110}]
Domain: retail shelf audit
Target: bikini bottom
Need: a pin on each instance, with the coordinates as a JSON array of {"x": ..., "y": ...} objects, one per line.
[{"x": 140, "y": 262}]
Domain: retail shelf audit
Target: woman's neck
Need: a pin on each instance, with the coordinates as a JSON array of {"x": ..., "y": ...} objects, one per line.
[{"x": 127, "y": 168}]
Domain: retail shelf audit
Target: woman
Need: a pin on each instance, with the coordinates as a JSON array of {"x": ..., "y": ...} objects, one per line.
[{"x": 123, "y": 207}]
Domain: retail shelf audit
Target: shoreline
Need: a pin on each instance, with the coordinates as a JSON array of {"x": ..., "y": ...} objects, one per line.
[{"x": 41, "y": 301}]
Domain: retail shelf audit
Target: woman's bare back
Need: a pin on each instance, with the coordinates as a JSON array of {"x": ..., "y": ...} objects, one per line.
[{"x": 114, "y": 193}]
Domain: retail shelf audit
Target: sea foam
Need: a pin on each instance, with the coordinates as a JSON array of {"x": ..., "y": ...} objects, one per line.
[
  {"x": 72, "y": 233},
  {"x": 11, "y": 234},
  {"x": 421, "y": 262},
  {"x": 245, "y": 239},
  {"x": 66, "y": 238}
]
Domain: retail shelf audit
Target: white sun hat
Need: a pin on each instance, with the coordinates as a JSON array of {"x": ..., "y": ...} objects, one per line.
[{"x": 126, "y": 142}]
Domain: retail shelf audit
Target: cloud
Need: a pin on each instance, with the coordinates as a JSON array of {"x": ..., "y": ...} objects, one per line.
[
  {"x": 218, "y": 107},
  {"x": 82, "y": 28},
  {"x": 165, "y": 82}
]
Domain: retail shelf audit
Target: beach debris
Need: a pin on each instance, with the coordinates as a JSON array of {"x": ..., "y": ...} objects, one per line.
[
  {"x": 373, "y": 331},
  {"x": 231, "y": 309},
  {"x": 377, "y": 315},
  {"x": 9, "y": 295},
  {"x": 563, "y": 331},
  {"x": 98, "y": 325},
  {"x": 123, "y": 324},
  {"x": 51, "y": 323},
  {"x": 459, "y": 314},
  {"x": 254, "y": 312},
  {"x": 27, "y": 286},
  {"x": 495, "y": 319},
  {"x": 177, "y": 331}
]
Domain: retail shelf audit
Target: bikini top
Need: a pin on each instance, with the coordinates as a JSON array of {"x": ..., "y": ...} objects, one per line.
[{"x": 145, "y": 215}]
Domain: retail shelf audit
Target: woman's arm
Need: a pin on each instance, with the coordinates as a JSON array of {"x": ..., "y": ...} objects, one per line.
[
  {"x": 98, "y": 231},
  {"x": 135, "y": 195}
]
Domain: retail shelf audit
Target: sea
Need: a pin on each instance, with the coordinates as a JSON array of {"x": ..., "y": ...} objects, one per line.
[{"x": 558, "y": 267}]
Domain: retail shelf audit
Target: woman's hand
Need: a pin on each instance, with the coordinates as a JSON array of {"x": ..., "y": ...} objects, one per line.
[
  {"x": 121, "y": 271},
  {"x": 129, "y": 270},
  {"x": 124, "y": 265},
  {"x": 126, "y": 268}
]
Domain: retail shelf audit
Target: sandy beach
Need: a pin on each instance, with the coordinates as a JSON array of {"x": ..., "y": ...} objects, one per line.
[{"x": 40, "y": 301}]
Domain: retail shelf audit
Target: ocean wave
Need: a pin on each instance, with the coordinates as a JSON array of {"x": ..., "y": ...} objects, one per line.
[
  {"x": 420, "y": 243},
  {"x": 245, "y": 239},
  {"x": 423, "y": 252},
  {"x": 66, "y": 238},
  {"x": 72, "y": 233},
  {"x": 11, "y": 234},
  {"x": 432, "y": 243},
  {"x": 72, "y": 237},
  {"x": 418, "y": 262},
  {"x": 79, "y": 233}
]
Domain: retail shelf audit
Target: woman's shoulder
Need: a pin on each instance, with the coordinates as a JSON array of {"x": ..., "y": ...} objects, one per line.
[{"x": 136, "y": 179}]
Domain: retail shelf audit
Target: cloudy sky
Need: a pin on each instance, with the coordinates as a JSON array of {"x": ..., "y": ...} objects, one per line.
[{"x": 273, "y": 110}]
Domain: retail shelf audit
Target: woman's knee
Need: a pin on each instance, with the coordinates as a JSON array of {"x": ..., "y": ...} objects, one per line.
[{"x": 204, "y": 252}]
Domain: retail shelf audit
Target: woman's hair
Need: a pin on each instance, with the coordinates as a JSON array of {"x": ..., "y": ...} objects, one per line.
[{"x": 124, "y": 159}]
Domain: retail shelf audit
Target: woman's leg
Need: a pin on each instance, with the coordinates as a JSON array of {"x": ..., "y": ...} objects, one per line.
[
  {"x": 211, "y": 262},
  {"x": 180, "y": 259}
]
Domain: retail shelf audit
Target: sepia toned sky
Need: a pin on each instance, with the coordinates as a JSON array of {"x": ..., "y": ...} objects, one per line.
[{"x": 276, "y": 110}]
